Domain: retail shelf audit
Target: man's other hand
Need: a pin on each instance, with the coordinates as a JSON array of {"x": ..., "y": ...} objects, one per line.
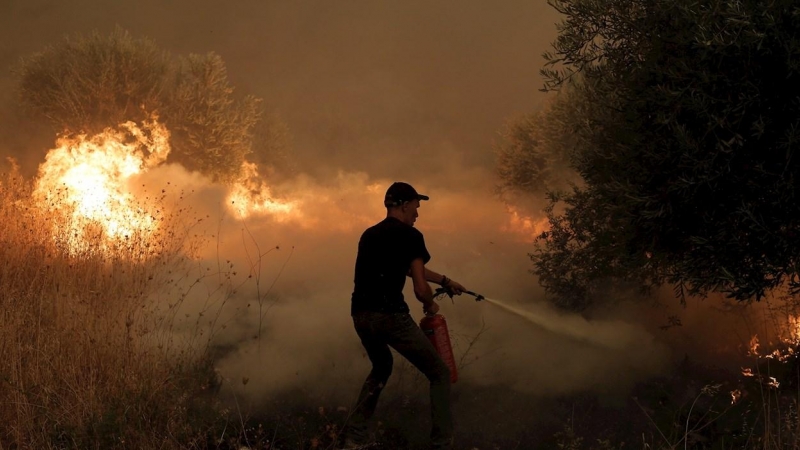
[{"x": 430, "y": 308}]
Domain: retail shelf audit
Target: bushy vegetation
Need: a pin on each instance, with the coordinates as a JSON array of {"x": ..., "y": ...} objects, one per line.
[
  {"x": 675, "y": 124},
  {"x": 94, "y": 348},
  {"x": 683, "y": 130},
  {"x": 534, "y": 154},
  {"x": 87, "y": 83}
]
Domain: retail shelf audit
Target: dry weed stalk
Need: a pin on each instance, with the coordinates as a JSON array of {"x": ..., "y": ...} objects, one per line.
[{"x": 87, "y": 357}]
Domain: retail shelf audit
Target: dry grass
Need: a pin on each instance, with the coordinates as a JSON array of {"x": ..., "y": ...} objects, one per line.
[{"x": 87, "y": 359}]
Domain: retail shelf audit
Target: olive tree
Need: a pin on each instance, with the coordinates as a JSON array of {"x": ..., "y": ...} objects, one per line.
[
  {"x": 684, "y": 142},
  {"x": 86, "y": 83}
]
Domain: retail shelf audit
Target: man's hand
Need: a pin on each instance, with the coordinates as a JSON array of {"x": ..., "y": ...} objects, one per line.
[
  {"x": 454, "y": 287},
  {"x": 430, "y": 308}
]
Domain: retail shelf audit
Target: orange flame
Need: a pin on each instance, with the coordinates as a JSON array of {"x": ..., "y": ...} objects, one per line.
[
  {"x": 793, "y": 330},
  {"x": 250, "y": 195},
  {"x": 753, "y": 346},
  {"x": 87, "y": 180},
  {"x": 342, "y": 204},
  {"x": 525, "y": 227},
  {"x": 736, "y": 394}
]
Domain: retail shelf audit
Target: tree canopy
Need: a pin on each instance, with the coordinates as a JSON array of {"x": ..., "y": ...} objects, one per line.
[
  {"x": 684, "y": 131},
  {"x": 86, "y": 83},
  {"x": 534, "y": 153}
]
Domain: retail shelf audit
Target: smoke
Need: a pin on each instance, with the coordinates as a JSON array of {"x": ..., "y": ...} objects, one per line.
[{"x": 288, "y": 326}]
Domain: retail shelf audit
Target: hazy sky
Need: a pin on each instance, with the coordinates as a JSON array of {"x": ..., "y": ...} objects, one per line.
[{"x": 395, "y": 88}]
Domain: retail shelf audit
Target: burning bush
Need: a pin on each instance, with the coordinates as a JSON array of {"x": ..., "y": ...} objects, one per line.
[{"x": 86, "y": 84}]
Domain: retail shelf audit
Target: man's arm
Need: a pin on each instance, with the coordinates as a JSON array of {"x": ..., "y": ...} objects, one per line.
[
  {"x": 422, "y": 290},
  {"x": 429, "y": 275}
]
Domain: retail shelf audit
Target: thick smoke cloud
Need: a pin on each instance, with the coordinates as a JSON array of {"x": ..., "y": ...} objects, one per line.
[{"x": 305, "y": 339}]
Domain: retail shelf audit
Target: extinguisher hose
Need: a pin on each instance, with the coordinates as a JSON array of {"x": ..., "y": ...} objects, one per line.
[{"x": 444, "y": 291}]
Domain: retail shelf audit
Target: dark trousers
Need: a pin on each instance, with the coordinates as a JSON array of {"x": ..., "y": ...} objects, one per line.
[{"x": 378, "y": 332}]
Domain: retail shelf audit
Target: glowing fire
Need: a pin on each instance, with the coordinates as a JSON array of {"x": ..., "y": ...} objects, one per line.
[
  {"x": 86, "y": 178},
  {"x": 784, "y": 349},
  {"x": 753, "y": 346},
  {"x": 348, "y": 202},
  {"x": 793, "y": 330},
  {"x": 527, "y": 228},
  {"x": 736, "y": 395},
  {"x": 251, "y": 196}
]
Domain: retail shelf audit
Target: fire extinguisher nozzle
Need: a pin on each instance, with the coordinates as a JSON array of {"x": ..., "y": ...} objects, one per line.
[{"x": 478, "y": 297}]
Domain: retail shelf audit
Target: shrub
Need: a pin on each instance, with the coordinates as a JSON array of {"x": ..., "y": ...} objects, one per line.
[{"x": 87, "y": 83}]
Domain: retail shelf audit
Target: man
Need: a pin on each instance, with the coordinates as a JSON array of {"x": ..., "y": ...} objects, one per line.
[{"x": 387, "y": 253}]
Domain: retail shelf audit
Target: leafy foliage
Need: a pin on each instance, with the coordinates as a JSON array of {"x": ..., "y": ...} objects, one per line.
[
  {"x": 534, "y": 153},
  {"x": 685, "y": 138},
  {"x": 522, "y": 163},
  {"x": 87, "y": 83},
  {"x": 272, "y": 147},
  {"x": 212, "y": 129}
]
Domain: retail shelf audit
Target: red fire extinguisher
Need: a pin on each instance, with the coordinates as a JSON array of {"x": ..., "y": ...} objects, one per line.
[{"x": 435, "y": 327}]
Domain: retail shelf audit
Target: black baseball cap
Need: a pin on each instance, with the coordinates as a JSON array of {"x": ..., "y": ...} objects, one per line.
[{"x": 399, "y": 193}]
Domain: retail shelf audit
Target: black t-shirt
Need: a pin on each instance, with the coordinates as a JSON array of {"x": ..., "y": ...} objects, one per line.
[{"x": 385, "y": 252}]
